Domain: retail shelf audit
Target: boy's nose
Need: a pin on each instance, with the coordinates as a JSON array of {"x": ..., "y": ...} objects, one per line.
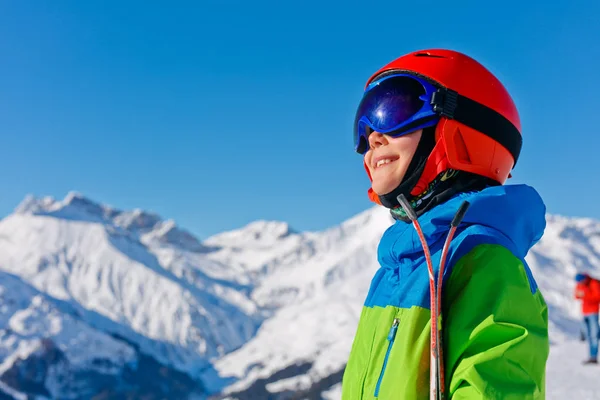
[{"x": 377, "y": 139}]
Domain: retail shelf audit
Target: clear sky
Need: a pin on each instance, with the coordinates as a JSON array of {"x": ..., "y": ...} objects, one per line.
[{"x": 219, "y": 112}]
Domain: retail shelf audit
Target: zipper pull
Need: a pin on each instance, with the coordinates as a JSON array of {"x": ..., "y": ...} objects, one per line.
[{"x": 393, "y": 329}]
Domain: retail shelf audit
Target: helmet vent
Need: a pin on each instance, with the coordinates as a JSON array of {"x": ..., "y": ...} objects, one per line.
[{"x": 461, "y": 147}]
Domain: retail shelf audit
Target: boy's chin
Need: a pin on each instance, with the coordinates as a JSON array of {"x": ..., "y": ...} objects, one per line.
[
  {"x": 382, "y": 190},
  {"x": 383, "y": 184}
]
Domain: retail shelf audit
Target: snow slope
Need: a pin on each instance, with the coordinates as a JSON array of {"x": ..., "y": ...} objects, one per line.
[
  {"x": 567, "y": 378},
  {"x": 318, "y": 292},
  {"x": 33, "y": 324}
]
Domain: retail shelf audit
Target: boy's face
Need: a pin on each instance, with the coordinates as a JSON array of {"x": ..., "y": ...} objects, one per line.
[{"x": 388, "y": 159}]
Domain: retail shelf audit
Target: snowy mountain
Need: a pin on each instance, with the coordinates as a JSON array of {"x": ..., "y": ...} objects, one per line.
[
  {"x": 128, "y": 275},
  {"x": 96, "y": 301}
]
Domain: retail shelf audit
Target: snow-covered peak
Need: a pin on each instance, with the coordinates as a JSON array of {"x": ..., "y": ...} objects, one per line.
[
  {"x": 167, "y": 232},
  {"x": 74, "y": 206},
  {"x": 34, "y": 205},
  {"x": 146, "y": 226},
  {"x": 261, "y": 233},
  {"x": 81, "y": 202},
  {"x": 136, "y": 220}
]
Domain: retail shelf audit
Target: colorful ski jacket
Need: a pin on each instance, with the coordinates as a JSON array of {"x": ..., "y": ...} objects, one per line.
[{"x": 494, "y": 318}]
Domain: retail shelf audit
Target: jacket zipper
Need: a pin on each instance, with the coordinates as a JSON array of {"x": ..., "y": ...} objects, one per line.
[{"x": 391, "y": 337}]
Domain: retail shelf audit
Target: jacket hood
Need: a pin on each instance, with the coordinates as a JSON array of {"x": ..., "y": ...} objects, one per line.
[{"x": 516, "y": 211}]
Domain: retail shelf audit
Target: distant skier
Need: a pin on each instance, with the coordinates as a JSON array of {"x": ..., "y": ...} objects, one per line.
[
  {"x": 587, "y": 290},
  {"x": 436, "y": 129}
]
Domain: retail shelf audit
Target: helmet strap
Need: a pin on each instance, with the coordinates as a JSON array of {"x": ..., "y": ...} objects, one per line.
[
  {"x": 414, "y": 170},
  {"x": 445, "y": 185}
]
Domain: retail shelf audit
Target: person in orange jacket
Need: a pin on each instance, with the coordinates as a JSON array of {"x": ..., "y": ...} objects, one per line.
[{"x": 587, "y": 290}]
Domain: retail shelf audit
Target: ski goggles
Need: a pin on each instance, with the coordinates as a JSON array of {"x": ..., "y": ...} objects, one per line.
[
  {"x": 402, "y": 103},
  {"x": 395, "y": 105}
]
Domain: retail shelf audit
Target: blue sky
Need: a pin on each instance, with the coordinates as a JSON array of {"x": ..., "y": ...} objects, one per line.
[{"x": 217, "y": 113}]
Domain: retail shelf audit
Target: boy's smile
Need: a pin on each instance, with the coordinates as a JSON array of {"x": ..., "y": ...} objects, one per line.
[
  {"x": 384, "y": 160},
  {"x": 388, "y": 159}
]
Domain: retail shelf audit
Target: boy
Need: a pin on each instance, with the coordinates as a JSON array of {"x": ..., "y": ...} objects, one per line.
[{"x": 436, "y": 129}]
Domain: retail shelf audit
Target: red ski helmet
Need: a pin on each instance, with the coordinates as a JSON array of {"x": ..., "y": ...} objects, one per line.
[{"x": 474, "y": 147}]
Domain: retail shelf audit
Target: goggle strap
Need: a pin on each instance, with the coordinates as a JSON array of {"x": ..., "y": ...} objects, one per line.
[
  {"x": 412, "y": 125},
  {"x": 452, "y": 105}
]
